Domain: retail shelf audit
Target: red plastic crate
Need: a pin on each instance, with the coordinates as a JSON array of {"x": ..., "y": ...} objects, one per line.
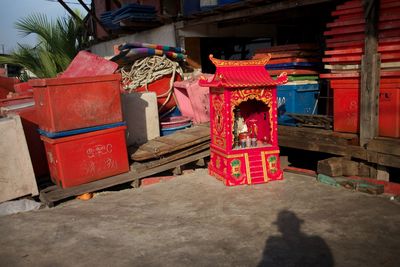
[
  {"x": 389, "y": 112},
  {"x": 87, "y": 157},
  {"x": 345, "y": 110},
  {"x": 72, "y": 103}
]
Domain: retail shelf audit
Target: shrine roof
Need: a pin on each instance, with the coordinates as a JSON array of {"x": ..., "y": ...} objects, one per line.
[{"x": 242, "y": 73}]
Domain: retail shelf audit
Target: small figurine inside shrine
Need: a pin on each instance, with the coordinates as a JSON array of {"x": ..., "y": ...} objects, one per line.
[{"x": 243, "y": 109}]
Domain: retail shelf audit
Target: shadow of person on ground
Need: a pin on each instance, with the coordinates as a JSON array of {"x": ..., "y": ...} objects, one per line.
[{"x": 294, "y": 248}]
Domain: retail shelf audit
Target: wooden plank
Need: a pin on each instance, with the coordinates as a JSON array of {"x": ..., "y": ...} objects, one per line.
[
  {"x": 154, "y": 163},
  {"x": 151, "y": 149},
  {"x": 253, "y": 11},
  {"x": 170, "y": 143},
  {"x": 317, "y": 135},
  {"x": 140, "y": 155},
  {"x": 57, "y": 194},
  {"x": 369, "y": 97},
  {"x": 388, "y": 160},
  {"x": 172, "y": 164},
  {"x": 331, "y": 167},
  {"x": 178, "y": 138},
  {"x": 385, "y": 145},
  {"x": 294, "y": 142}
]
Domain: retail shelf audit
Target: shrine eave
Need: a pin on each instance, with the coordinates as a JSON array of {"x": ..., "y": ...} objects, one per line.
[{"x": 242, "y": 73}]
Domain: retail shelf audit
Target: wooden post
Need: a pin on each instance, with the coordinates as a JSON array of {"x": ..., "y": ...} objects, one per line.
[
  {"x": 69, "y": 10},
  {"x": 93, "y": 14},
  {"x": 370, "y": 75}
]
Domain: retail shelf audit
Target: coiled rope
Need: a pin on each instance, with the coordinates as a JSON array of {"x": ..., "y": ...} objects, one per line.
[{"x": 149, "y": 69}]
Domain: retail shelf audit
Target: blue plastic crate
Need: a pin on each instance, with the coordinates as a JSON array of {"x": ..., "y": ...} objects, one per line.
[
  {"x": 297, "y": 98},
  {"x": 80, "y": 131},
  {"x": 191, "y": 7},
  {"x": 225, "y": 2},
  {"x": 168, "y": 131}
]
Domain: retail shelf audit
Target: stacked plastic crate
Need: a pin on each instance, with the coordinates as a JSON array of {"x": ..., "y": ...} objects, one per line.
[
  {"x": 345, "y": 44},
  {"x": 302, "y": 63},
  {"x": 80, "y": 120}
]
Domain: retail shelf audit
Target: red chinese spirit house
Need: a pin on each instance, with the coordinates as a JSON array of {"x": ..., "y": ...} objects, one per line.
[{"x": 243, "y": 122}]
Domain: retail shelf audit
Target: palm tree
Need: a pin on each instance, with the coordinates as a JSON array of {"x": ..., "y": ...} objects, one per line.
[{"x": 58, "y": 43}]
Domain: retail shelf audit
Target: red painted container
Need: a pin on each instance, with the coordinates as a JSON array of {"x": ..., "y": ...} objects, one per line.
[
  {"x": 345, "y": 110},
  {"x": 87, "y": 157},
  {"x": 389, "y": 112},
  {"x": 71, "y": 103}
]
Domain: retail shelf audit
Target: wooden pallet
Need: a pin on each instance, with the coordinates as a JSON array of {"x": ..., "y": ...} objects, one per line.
[
  {"x": 318, "y": 121},
  {"x": 53, "y": 194},
  {"x": 162, "y": 154},
  {"x": 164, "y": 145}
]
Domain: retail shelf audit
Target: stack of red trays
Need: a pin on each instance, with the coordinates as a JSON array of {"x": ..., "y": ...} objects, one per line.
[{"x": 345, "y": 43}]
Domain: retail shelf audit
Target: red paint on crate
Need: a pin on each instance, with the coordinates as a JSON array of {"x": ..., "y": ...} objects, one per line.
[
  {"x": 389, "y": 112},
  {"x": 391, "y": 73},
  {"x": 390, "y": 5},
  {"x": 387, "y": 25},
  {"x": 341, "y": 23},
  {"x": 389, "y": 40},
  {"x": 391, "y": 14},
  {"x": 345, "y": 110},
  {"x": 390, "y": 56},
  {"x": 342, "y": 59},
  {"x": 347, "y": 11},
  {"x": 345, "y": 30},
  {"x": 23, "y": 89},
  {"x": 72, "y": 103},
  {"x": 390, "y": 81},
  {"x": 349, "y": 81},
  {"x": 346, "y": 38},
  {"x": 344, "y": 45},
  {"x": 349, "y": 4},
  {"x": 87, "y": 157},
  {"x": 344, "y": 51},
  {"x": 391, "y": 47},
  {"x": 351, "y": 16},
  {"x": 388, "y": 33},
  {"x": 88, "y": 64}
]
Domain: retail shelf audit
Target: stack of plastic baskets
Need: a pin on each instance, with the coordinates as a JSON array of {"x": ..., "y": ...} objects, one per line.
[{"x": 80, "y": 122}]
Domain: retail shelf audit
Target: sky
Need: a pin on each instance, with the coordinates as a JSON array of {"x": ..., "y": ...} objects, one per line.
[{"x": 13, "y": 10}]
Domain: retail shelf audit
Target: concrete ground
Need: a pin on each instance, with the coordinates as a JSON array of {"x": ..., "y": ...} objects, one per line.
[{"x": 194, "y": 220}]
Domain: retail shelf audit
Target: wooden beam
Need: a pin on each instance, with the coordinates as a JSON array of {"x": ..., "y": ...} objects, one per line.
[
  {"x": 91, "y": 12},
  {"x": 69, "y": 10},
  {"x": 252, "y": 11},
  {"x": 370, "y": 75}
]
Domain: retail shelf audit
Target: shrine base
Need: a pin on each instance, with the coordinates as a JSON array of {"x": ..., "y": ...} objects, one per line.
[{"x": 245, "y": 166}]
